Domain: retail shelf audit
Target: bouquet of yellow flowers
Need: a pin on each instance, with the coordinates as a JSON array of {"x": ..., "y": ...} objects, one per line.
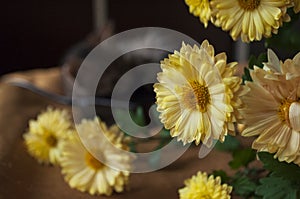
[
  {"x": 266, "y": 102},
  {"x": 200, "y": 99}
]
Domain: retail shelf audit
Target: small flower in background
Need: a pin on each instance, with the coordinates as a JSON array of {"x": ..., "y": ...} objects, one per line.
[
  {"x": 272, "y": 108},
  {"x": 46, "y": 135},
  {"x": 83, "y": 170},
  {"x": 196, "y": 94},
  {"x": 201, "y": 9},
  {"x": 297, "y": 6},
  {"x": 251, "y": 20},
  {"x": 200, "y": 186}
]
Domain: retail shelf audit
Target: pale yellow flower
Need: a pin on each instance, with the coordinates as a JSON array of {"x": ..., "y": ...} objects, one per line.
[
  {"x": 290, "y": 67},
  {"x": 296, "y": 6},
  {"x": 250, "y": 19},
  {"x": 195, "y": 94},
  {"x": 200, "y": 186},
  {"x": 89, "y": 170},
  {"x": 201, "y": 9},
  {"x": 272, "y": 108},
  {"x": 46, "y": 135}
]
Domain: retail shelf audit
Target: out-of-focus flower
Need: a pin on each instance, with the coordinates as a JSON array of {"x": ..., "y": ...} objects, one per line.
[
  {"x": 200, "y": 186},
  {"x": 296, "y": 6},
  {"x": 272, "y": 108},
  {"x": 201, "y": 9},
  {"x": 46, "y": 135},
  {"x": 89, "y": 170},
  {"x": 250, "y": 19},
  {"x": 195, "y": 94}
]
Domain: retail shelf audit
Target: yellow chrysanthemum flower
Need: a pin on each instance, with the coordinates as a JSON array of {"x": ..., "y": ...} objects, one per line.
[
  {"x": 272, "y": 108},
  {"x": 195, "y": 94},
  {"x": 250, "y": 19},
  {"x": 88, "y": 170},
  {"x": 46, "y": 135},
  {"x": 200, "y": 186},
  {"x": 201, "y": 9}
]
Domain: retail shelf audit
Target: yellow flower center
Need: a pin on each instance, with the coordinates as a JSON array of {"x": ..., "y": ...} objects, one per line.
[
  {"x": 93, "y": 162},
  {"x": 249, "y": 4},
  {"x": 51, "y": 140},
  {"x": 197, "y": 97},
  {"x": 207, "y": 197},
  {"x": 283, "y": 111}
]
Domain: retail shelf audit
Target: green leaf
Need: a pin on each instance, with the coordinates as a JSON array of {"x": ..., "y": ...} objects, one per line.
[
  {"x": 138, "y": 116},
  {"x": 132, "y": 146},
  {"x": 243, "y": 186},
  {"x": 230, "y": 144},
  {"x": 285, "y": 170},
  {"x": 242, "y": 158},
  {"x": 261, "y": 59},
  {"x": 284, "y": 179},
  {"x": 222, "y": 174},
  {"x": 246, "y": 76},
  {"x": 253, "y": 61},
  {"x": 277, "y": 188},
  {"x": 164, "y": 133},
  {"x": 124, "y": 121},
  {"x": 165, "y": 138},
  {"x": 287, "y": 39}
]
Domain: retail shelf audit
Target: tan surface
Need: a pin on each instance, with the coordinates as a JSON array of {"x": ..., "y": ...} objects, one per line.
[{"x": 22, "y": 177}]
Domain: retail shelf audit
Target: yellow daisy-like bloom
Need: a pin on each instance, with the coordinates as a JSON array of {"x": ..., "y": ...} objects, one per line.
[
  {"x": 46, "y": 135},
  {"x": 196, "y": 94},
  {"x": 201, "y": 9},
  {"x": 201, "y": 187},
  {"x": 272, "y": 108},
  {"x": 250, "y": 19},
  {"x": 87, "y": 170}
]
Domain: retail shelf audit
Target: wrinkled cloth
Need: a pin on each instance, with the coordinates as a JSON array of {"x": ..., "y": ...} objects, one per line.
[{"x": 22, "y": 177}]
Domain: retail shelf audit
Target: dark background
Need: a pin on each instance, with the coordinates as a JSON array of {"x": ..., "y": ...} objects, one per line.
[{"x": 36, "y": 34}]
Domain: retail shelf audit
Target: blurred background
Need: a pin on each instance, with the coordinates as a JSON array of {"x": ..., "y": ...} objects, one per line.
[{"x": 39, "y": 34}]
